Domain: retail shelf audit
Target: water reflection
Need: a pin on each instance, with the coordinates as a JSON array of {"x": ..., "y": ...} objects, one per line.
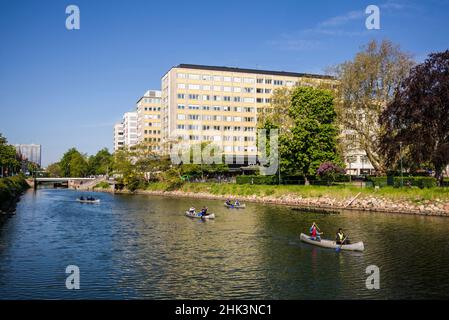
[{"x": 144, "y": 247}]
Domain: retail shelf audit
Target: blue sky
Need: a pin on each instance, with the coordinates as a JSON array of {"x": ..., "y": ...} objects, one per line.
[{"x": 65, "y": 89}]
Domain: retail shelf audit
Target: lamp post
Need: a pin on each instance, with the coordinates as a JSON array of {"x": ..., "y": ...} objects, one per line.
[
  {"x": 400, "y": 153},
  {"x": 279, "y": 166}
]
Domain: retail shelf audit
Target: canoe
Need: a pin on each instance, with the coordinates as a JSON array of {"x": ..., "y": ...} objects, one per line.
[
  {"x": 232, "y": 206},
  {"x": 88, "y": 201},
  {"x": 358, "y": 246},
  {"x": 197, "y": 215}
]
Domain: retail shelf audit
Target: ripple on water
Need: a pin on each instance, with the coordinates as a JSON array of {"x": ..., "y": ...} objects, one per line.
[{"x": 144, "y": 247}]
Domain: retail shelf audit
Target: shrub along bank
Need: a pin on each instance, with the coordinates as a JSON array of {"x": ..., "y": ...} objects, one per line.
[{"x": 10, "y": 190}]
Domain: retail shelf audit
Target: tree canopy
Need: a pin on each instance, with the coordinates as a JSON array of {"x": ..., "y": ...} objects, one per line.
[
  {"x": 73, "y": 164},
  {"x": 418, "y": 116},
  {"x": 313, "y": 138},
  {"x": 366, "y": 85},
  {"x": 9, "y": 160}
]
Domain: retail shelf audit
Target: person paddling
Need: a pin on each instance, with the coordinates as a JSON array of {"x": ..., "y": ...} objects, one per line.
[
  {"x": 204, "y": 211},
  {"x": 341, "y": 238},
  {"x": 315, "y": 233}
]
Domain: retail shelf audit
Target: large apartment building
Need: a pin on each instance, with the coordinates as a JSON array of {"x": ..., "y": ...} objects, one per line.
[
  {"x": 221, "y": 104},
  {"x": 119, "y": 139},
  {"x": 30, "y": 152},
  {"x": 148, "y": 109},
  {"x": 130, "y": 128}
]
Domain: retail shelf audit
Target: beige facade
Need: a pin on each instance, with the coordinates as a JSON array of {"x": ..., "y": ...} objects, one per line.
[
  {"x": 148, "y": 110},
  {"x": 221, "y": 104}
]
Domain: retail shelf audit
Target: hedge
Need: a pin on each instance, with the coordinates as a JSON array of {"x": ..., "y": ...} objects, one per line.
[
  {"x": 12, "y": 187},
  {"x": 257, "y": 180},
  {"x": 421, "y": 182}
]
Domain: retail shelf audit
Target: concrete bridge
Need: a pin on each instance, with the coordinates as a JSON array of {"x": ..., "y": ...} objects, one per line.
[{"x": 70, "y": 182}]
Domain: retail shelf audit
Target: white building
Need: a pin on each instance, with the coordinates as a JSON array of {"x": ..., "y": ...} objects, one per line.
[
  {"x": 355, "y": 158},
  {"x": 130, "y": 128},
  {"x": 119, "y": 139}
]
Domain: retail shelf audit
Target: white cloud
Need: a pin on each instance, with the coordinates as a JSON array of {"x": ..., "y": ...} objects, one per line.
[{"x": 337, "y": 26}]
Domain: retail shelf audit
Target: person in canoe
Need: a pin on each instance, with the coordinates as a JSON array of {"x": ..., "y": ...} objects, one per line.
[
  {"x": 192, "y": 210},
  {"x": 315, "y": 232},
  {"x": 204, "y": 211},
  {"x": 81, "y": 198},
  {"x": 228, "y": 202},
  {"x": 341, "y": 237},
  {"x": 236, "y": 203}
]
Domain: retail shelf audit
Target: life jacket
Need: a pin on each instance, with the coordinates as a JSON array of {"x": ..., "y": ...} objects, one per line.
[
  {"x": 313, "y": 231},
  {"x": 341, "y": 236}
]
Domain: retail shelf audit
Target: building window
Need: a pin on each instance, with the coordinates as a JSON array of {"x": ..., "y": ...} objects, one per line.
[
  {"x": 194, "y": 76},
  {"x": 194, "y": 86},
  {"x": 278, "y": 82}
]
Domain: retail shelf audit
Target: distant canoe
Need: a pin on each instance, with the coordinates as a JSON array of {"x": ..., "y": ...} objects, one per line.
[
  {"x": 88, "y": 201},
  {"x": 233, "y": 206},
  {"x": 199, "y": 216},
  {"x": 358, "y": 246}
]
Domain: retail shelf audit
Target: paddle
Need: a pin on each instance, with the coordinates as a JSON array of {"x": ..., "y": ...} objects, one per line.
[{"x": 339, "y": 248}]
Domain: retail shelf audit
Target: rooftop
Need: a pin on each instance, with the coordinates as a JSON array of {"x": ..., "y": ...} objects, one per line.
[{"x": 255, "y": 71}]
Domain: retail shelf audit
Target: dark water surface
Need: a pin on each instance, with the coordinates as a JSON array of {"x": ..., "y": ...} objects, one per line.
[{"x": 144, "y": 247}]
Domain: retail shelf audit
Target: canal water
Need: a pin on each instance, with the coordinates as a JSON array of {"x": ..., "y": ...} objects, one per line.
[{"x": 137, "y": 246}]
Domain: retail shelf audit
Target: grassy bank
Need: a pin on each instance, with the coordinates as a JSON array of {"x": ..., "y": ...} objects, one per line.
[
  {"x": 10, "y": 190},
  {"x": 338, "y": 192}
]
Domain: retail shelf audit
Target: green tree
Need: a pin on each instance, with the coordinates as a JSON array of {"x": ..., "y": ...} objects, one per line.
[
  {"x": 54, "y": 170},
  {"x": 313, "y": 138},
  {"x": 100, "y": 163},
  {"x": 366, "y": 85},
  {"x": 9, "y": 160},
  {"x": 74, "y": 164}
]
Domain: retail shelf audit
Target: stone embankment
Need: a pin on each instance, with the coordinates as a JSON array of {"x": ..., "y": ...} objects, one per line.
[{"x": 357, "y": 202}]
